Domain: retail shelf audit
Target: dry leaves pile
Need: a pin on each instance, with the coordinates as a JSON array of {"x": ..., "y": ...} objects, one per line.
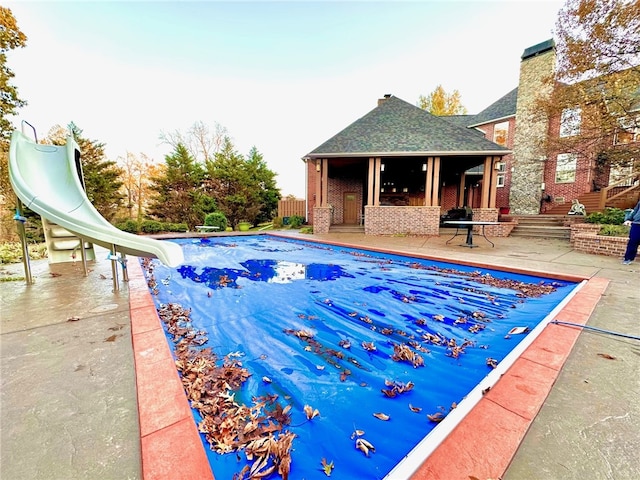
[
  {"x": 228, "y": 426},
  {"x": 402, "y": 352}
]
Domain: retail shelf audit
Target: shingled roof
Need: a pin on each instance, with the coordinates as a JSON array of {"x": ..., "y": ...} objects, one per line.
[
  {"x": 502, "y": 108},
  {"x": 398, "y": 128}
]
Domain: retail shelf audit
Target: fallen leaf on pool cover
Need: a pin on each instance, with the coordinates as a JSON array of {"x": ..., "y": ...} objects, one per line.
[
  {"x": 310, "y": 412},
  {"x": 364, "y": 446},
  {"x": 327, "y": 467},
  {"x": 415, "y": 409},
  {"x": 436, "y": 417},
  {"x": 382, "y": 416},
  {"x": 369, "y": 346}
]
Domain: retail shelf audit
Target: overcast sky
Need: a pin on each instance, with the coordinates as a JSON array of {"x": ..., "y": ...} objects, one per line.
[{"x": 280, "y": 76}]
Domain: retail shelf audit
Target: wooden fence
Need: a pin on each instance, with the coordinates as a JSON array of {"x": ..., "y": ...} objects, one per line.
[{"x": 287, "y": 208}]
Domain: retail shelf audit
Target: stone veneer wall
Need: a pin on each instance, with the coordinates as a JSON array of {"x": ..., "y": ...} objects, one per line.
[
  {"x": 390, "y": 220},
  {"x": 321, "y": 219},
  {"x": 531, "y": 130},
  {"x": 585, "y": 238}
]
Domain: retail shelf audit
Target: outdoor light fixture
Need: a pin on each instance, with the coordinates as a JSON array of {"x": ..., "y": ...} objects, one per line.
[
  {"x": 317, "y": 165},
  {"x": 382, "y": 167},
  {"x": 424, "y": 167}
]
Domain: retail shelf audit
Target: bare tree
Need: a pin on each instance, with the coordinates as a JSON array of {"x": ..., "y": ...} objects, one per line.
[{"x": 200, "y": 141}]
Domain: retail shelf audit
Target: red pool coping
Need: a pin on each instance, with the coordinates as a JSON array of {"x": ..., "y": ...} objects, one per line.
[{"x": 483, "y": 443}]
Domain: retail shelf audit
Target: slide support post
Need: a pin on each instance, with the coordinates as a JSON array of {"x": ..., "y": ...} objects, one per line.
[
  {"x": 114, "y": 268},
  {"x": 22, "y": 233}
]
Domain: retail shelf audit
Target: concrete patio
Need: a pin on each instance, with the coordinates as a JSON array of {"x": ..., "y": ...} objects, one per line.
[{"x": 69, "y": 403}]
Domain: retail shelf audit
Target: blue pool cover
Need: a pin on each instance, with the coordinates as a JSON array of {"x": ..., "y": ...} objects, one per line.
[{"x": 350, "y": 333}]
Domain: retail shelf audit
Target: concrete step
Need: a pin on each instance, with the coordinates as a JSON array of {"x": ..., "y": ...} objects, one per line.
[
  {"x": 541, "y": 220},
  {"x": 541, "y": 231},
  {"x": 346, "y": 229}
]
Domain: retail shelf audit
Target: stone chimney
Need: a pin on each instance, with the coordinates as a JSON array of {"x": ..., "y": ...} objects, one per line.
[
  {"x": 382, "y": 100},
  {"x": 536, "y": 82}
]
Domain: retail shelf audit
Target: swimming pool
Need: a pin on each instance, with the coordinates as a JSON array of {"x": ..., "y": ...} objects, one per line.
[{"x": 420, "y": 335}]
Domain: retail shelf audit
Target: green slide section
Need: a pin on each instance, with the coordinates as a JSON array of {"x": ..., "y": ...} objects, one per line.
[{"x": 45, "y": 178}]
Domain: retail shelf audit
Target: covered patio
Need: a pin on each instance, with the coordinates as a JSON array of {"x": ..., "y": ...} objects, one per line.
[{"x": 397, "y": 169}]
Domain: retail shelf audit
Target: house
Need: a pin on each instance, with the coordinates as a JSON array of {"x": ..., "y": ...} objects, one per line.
[
  {"x": 398, "y": 168},
  {"x": 392, "y": 169}
]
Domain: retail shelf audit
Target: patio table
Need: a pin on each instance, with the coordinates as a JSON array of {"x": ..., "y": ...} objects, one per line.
[{"x": 468, "y": 225}]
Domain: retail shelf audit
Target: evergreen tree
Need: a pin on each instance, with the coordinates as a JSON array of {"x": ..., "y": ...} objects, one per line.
[
  {"x": 233, "y": 186},
  {"x": 102, "y": 177},
  {"x": 265, "y": 181},
  {"x": 180, "y": 195}
]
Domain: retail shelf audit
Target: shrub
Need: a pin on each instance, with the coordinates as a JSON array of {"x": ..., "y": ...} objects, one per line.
[
  {"x": 129, "y": 225},
  {"x": 610, "y": 216},
  {"x": 11, "y": 252},
  {"x": 278, "y": 222},
  {"x": 308, "y": 230},
  {"x": 216, "y": 219},
  {"x": 296, "y": 221},
  {"x": 151, "y": 226},
  {"x": 614, "y": 230},
  {"x": 175, "y": 227}
]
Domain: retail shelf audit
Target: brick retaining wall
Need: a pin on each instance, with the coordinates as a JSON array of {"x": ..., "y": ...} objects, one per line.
[
  {"x": 584, "y": 238},
  {"x": 389, "y": 220},
  {"x": 321, "y": 219}
]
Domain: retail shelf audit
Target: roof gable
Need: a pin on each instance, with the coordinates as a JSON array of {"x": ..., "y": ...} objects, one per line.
[
  {"x": 397, "y": 127},
  {"x": 502, "y": 108}
]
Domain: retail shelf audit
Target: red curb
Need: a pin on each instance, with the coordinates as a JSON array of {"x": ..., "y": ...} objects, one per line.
[{"x": 483, "y": 443}]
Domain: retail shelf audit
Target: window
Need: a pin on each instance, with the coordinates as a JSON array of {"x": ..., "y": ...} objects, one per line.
[
  {"x": 566, "y": 168},
  {"x": 501, "y": 133},
  {"x": 628, "y": 132},
  {"x": 570, "y": 122},
  {"x": 502, "y": 168}
]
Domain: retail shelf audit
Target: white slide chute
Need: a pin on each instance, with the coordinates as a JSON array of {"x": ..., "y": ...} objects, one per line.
[{"x": 46, "y": 179}]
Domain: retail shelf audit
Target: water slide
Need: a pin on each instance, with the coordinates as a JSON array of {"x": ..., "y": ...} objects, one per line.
[{"x": 45, "y": 178}]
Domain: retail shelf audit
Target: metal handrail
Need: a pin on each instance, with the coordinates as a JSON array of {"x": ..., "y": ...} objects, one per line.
[{"x": 35, "y": 134}]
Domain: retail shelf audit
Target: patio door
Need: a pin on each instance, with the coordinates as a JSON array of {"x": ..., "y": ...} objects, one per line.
[{"x": 351, "y": 208}]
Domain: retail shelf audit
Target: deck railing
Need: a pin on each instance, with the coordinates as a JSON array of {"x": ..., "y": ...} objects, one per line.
[{"x": 619, "y": 189}]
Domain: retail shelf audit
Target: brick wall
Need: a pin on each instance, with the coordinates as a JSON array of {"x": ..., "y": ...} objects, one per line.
[
  {"x": 502, "y": 193},
  {"x": 322, "y": 217},
  {"x": 389, "y": 220},
  {"x": 311, "y": 190},
  {"x": 583, "y": 228},
  {"x": 491, "y": 215},
  {"x": 449, "y": 198},
  {"x": 335, "y": 195},
  {"x": 600, "y": 245},
  {"x": 585, "y": 238}
]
